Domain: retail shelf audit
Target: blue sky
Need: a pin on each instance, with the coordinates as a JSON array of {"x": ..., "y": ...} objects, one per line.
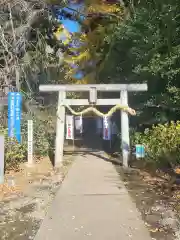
[{"x": 72, "y": 26}]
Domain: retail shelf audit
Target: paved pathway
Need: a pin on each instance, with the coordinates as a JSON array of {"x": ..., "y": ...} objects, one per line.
[{"x": 92, "y": 203}]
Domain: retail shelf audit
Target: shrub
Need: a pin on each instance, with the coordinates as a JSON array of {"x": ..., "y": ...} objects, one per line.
[
  {"x": 162, "y": 143},
  {"x": 41, "y": 131},
  {"x": 16, "y": 153}
]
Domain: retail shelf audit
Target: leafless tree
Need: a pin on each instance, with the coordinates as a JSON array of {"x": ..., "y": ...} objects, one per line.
[{"x": 23, "y": 43}]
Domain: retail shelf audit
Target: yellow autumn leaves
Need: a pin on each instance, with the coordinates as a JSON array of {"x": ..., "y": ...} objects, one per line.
[
  {"x": 103, "y": 8},
  {"x": 93, "y": 40}
]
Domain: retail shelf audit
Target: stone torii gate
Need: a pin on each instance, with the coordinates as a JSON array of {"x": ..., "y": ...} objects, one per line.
[{"x": 93, "y": 100}]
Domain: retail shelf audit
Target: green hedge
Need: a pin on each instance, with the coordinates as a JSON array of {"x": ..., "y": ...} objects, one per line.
[
  {"x": 16, "y": 153},
  {"x": 162, "y": 143}
]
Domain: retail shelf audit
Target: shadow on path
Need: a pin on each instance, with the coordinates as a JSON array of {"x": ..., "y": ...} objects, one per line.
[{"x": 89, "y": 142}]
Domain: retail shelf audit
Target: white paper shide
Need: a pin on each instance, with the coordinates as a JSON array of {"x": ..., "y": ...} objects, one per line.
[
  {"x": 99, "y": 125},
  {"x": 79, "y": 123}
]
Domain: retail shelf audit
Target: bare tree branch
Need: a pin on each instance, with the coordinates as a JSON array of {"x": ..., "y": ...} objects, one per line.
[{"x": 17, "y": 18}]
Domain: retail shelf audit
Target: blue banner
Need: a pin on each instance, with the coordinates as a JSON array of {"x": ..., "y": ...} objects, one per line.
[{"x": 14, "y": 115}]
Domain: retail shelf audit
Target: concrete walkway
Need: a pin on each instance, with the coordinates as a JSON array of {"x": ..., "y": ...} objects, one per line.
[{"x": 92, "y": 204}]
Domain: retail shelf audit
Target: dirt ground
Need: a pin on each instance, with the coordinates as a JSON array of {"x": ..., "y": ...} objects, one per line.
[
  {"x": 158, "y": 204},
  {"x": 25, "y": 198},
  {"x": 27, "y": 194}
]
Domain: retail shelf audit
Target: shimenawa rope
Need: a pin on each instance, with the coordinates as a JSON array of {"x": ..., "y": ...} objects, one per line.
[{"x": 100, "y": 114}]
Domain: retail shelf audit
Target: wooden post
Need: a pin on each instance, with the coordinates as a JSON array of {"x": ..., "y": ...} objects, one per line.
[
  {"x": 60, "y": 130},
  {"x": 30, "y": 143},
  {"x": 125, "y": 142}
]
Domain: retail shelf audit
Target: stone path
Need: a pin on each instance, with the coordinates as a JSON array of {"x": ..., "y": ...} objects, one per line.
[{"x": 92, "y": 203}]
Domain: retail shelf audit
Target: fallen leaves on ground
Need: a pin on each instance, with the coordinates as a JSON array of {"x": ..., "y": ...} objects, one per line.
[
  {"x": 6, "y": 190},
  {"x": 155, "y": 196}
]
